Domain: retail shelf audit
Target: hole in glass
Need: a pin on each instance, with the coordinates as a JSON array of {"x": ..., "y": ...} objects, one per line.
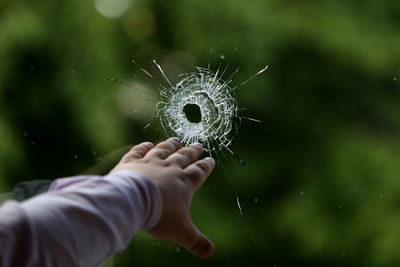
[{"x": 192, "y": 112}]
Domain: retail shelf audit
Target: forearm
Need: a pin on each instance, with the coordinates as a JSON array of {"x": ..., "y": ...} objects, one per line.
[{"x": 80, "y": 221}]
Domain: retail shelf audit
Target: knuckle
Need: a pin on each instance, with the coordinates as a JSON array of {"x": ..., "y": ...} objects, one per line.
[
  {"x": 139, "y": 149},
  {"x": 203, "y": 166},
  {"x": 128, "y": 157},
  {"x": 198, "y": 173},
  {"x": 174, "y": 140},
  {"x": 161, "y": 151},
  {"x": 165, "y": 163},
  {"x": 166, "y": 146},
  {"x": 187, "y": 184},
  {"x": 187, "y": 154},
  {"x": 145, "y": 160},
  {"x": 125, "y": 159},
  {"x": 194, "y": 173}
]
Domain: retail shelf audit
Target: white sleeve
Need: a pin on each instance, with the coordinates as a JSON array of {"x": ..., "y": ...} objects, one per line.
[{"x": 81, "y": 221}]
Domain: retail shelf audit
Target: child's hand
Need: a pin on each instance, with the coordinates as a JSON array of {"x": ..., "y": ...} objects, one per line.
[{"x": 174, "y": 171}]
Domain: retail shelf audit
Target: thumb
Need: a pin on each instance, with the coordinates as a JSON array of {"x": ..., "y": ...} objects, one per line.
[{"x": 195, "y": 241}]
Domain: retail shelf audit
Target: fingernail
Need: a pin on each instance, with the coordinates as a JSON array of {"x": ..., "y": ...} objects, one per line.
[
  {"x": 210, "y": 159},
  {"x": 205, "y": 250},
  {"x": 176, "y": 140},
  {"x": 148, "y": 144},
  {"x": 197, "y": 144}
]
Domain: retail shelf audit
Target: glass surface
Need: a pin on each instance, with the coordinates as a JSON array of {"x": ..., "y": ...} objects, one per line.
[{"x": 318, "y": 131}]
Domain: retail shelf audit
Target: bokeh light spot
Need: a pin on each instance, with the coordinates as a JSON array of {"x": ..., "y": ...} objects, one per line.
[{"x": 112, "y": 8}]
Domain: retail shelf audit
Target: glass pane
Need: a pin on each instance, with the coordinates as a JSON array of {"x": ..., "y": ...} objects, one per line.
[{"x": 308, "y": 155}]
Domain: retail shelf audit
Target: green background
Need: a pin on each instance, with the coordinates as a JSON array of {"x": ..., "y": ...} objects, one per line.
[{"x": 322, "y": 181}]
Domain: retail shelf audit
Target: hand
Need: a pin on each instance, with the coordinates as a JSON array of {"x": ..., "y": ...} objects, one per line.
[{"x": 177, "y": 175}]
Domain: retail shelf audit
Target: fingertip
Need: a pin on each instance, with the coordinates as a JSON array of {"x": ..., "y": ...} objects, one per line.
[
  {"x": 138, "y": 151},
  {"x": 148, "y": 144},
  {"x": 211, "y": 160},
  {"x": 195, "y": 241},
  {"x": 196, "y": 144},
  {"x": 211, "y": 164},
  {"x": 198, "y": 147},
  {"x": 165, "y": 148},
  {"x": 175, "y": 140},
  {"x": 203, "y": 247},
  {"x": 206, "y": 250}
]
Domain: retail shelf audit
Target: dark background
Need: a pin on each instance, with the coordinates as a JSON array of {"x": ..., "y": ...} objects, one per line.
[{"x": 322, "y": 181}]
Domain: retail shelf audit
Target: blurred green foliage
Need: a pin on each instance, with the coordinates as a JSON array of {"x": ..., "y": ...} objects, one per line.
[{"x": 322, "y": 182}]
